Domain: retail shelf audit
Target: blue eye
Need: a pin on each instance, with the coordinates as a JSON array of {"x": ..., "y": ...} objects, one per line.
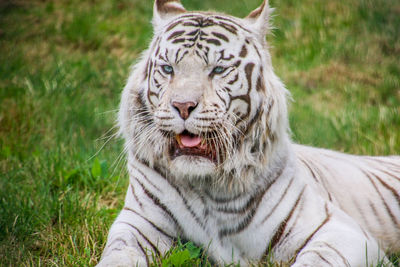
[
  {"x": 167, "y": 69},
  {"x": 218, "y": 70}
]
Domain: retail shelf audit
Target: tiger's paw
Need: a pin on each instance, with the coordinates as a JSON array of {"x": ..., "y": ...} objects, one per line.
[{"x": 127, "y": 257}]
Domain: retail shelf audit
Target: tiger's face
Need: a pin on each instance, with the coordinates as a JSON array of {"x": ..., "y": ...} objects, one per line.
[
  {"x": 204, "y": 95},
  {"x": 200, "y": 88}
]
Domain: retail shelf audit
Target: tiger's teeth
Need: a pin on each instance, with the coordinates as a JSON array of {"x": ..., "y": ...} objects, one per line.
[
  {"x": 178, "y": 139},
  {"x": 203, "y": 144}
]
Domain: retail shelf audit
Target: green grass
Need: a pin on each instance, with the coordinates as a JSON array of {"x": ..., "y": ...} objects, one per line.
[{"x": 63, "y": 64}]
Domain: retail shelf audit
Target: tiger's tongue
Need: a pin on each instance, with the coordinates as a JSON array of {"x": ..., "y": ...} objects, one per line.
[{"x": 188, "y": 141}]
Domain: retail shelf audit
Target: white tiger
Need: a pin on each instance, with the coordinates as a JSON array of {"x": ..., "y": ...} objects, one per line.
[{"x": 210, "y": 159}]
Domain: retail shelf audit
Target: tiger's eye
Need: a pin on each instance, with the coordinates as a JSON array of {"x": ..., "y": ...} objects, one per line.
[
  {"x": 218, "y": 70},
  {"x": 167, "y": 69}
]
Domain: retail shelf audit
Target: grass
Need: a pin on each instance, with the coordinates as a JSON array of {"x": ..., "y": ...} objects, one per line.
[{"x": 63, "y": 64}]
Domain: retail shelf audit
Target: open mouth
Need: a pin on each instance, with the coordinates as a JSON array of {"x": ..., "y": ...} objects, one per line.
[{"x": 190, "y": 144}]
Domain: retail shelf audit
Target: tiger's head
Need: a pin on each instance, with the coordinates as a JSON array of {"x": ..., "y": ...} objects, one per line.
[{"x": 204, "y": 102}]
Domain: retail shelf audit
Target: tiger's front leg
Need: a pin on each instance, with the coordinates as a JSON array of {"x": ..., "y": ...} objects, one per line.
[
  {"x": 139, "y": 232},
  {"x": 339, "y": 241}
]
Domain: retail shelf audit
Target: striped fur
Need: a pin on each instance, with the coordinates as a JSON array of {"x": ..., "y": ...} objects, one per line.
[{"x": 258, "y": 193}]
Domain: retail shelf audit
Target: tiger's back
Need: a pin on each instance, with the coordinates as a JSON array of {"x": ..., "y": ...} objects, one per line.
[{"x": 367, "y": 188}]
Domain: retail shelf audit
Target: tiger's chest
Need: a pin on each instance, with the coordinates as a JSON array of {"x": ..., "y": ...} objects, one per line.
[
  {"x": 227, "y": 230},
  {"x": 230, "y": 228},
  {"x": 239, "y": 229}
]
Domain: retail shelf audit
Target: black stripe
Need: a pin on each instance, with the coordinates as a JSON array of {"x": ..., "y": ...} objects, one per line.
[
  {"x": 245, "y": 98},
  {"x": 161, "y": 206},
  {"x": 257, "y": 200},
  {"x": 204, "y": 127},
  {"x": 135, "y": 196},
  {"x": 345, "y": 261},
  {"x": 252, "y": 200},
  {"x": 162, "y": 74},
  {"x": 220, "y": 36},
  {"x": 258, "y": 52},
  {"x": 375, "y": 212},
  {"x": 146, "y": 68},
  {"x": 190, "y": 24},
  {"x": 147, "y": 179},
  {"x": 318, "y": 254},
  {"x": 281, "y": 229},
  {"x": 155, "y": 249},
  {"x": 322, "y": 258},
  {"x": 197, "y": 219},
  {"x": 390, "y": 174},
  {"x": 194, "y": 33},
  {"x": 228, "y": 89},
  {"x": 231, "y": 21},
  {"x": 166, "y": 55},
  {"x": 213, "y": 41},
  {"x": 229, "y": 28},
  {"x": 361, "y": 212},
  {"x": 189, "y": 208},
  {"x": 391, "y": 189},
  {"x": 173, "y": 25},
  {"x": 223, "y": 57},
  {"x": 119, "y": 239},
  {"x": 310, "y": 169},
  {"x": 320, "y": 175},
  {"x": 389, "y": 211},
  {"x": 179, "y": 40},
  {"x": 254, "y": 120},
  {"x": 175, "y": 34},
  {"x": 198, "y": 54},
  {"x": 165, "y": 118},
  {"x": 327, "y": 218},
  {"x": 260, "y": 86},
  {"x": 271, "y": 103},
  {"x": 229, "y": 72},
  {"x": 221, "y": 199},
  {"x": 157, "y": 50},
  {"x": 237, "y": 63},
  {"x": 235, "y": 79},
  {"x": 293, "y": 225},
  {"x": 143, "y": 251},
  {"x": 243, "y": 52},
  {"x": 240, "y": 227},
  {"x": 278, "y": 202},
  {"x": 183, "y": 55},
  {"x": 387, "y": 164},
  {"x": 223, "y": 100},
  {"x": 248, "y": 69},
  {"x": 205, "y": 119},
  {"x": 182, "y": 18},
  {"x": 150, "y": 222}
]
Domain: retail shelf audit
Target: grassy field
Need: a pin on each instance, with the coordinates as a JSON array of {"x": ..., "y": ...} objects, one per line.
[{"x": 63, "y": 64}]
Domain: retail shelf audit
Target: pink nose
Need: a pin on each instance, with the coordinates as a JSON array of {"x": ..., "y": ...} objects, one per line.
[{"x": 184, "y": 108}]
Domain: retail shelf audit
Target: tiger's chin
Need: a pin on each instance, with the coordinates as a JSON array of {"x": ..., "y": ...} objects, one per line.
[
  {"x": 192, "y": 167},
  {"x": 192, "y": 156}
]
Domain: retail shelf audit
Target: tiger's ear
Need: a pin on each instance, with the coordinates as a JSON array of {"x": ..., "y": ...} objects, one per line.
[
  {"x": 165, "y": 10},
  {"x": 259, "y": 18}
]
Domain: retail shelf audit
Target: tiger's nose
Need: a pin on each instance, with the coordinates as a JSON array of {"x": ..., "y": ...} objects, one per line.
[{"x": 184, "y": 108}]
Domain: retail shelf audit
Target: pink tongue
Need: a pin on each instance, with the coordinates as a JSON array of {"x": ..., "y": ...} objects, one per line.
[{"x": 188, "y": 141}]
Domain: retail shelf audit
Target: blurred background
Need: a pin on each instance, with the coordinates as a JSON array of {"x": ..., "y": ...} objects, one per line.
[{"x": 63, "y": 64}]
